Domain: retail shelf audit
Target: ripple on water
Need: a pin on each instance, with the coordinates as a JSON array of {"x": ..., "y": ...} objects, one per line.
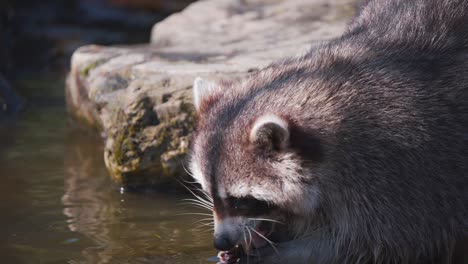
[{"x": 59, "y": 205}]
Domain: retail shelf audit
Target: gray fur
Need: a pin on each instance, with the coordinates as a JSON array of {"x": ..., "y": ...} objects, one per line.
[{"x": 376, "y": 168}]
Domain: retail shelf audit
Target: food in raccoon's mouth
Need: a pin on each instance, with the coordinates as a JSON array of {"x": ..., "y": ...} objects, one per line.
[
  {"x": 230, "y": 256},
  {"x": 255, "y": 239}
]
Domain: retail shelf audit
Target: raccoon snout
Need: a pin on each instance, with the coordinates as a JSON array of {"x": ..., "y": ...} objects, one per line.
[
  {"x": 223, "y": 242},
  {"x": 228, "y": 232}
]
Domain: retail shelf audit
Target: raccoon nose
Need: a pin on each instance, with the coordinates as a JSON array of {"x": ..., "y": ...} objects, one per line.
[{"x": 222, "y": 242}]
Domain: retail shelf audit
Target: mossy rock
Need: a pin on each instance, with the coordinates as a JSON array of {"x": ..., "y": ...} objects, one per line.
[
  {"x": 147, "y": 149},
  {"x": 139, "y": 97}
]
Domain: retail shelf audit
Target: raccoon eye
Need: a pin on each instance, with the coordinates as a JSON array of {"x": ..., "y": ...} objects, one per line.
[
  {"x": 249, "y": 205},
  {"x": 242, "y": 203}
]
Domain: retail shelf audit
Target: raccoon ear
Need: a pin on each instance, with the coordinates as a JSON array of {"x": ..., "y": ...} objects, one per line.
[
  {"x": 270, "y": 132},
  {"x": 202, "y": 89}
]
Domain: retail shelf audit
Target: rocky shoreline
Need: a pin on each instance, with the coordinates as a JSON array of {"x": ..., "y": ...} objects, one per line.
[
  {"x": 37, "y": 38},
  {"x": 139, "y": 97}
]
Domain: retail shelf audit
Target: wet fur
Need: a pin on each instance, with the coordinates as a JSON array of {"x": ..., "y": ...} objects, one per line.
[{"x": 376, "y": 170}]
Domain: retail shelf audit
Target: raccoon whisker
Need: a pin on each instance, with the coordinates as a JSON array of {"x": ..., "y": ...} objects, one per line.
[
  {"x": 203, "y": 225},
  {"x": 194, "y": 183},
  {"x": 250, "y": 237},
  {"x": 181, "y": 181},
  {"x": 199, "y": 201},
  {"x": 199, "y": 206},
  {"x": 195, "y": 228},
  {"x": 186, "y": 170},
  {"x": 267, "y": 220},
  {"x": 205, "y": 193},
  {"x": 203, "y": 220},
  {"x": 194, "y": 214},
  {"x": 208, "y": 230},
  {"x": 197, "y": 196},
  {"x": 245, "y": 239},
  {"x": 266, "y": 239},
  {"x": 246, "y": 250},
  {"x": 207, "y": 196},
  {"x": 203, "y": 200}
]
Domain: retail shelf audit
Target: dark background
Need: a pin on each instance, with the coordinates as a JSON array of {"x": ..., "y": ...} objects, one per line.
[{"x": 37, "y": 37}]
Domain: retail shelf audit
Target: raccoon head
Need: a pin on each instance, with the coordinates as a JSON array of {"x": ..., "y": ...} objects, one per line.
[{"x": 245, "y": 159}]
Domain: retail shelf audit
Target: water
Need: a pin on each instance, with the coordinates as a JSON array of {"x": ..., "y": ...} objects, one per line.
[{"x": 58, "y": 205}]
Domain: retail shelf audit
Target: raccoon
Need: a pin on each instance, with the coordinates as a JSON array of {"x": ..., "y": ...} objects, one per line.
[{"x": 356, "y": 152}]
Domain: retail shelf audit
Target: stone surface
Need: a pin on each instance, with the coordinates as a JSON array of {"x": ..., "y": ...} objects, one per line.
[{"x": 139, "y": 97}]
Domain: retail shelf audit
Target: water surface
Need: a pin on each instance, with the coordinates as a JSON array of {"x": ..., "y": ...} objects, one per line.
[{"x": 58, "y": 205}]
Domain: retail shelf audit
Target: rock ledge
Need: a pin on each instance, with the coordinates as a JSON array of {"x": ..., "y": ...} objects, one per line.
[{"x": 139, "y": 97}]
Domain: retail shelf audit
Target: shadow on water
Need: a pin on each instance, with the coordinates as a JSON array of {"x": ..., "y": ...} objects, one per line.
[{"x": 59, "y": 206}]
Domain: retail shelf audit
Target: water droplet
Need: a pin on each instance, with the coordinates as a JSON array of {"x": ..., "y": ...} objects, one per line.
[
  {"x": 71, "y": 240},
  {"x": 213, "y": 259}
]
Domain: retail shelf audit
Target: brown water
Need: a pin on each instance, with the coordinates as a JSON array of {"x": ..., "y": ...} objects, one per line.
[{"x": 57, "y": 204}]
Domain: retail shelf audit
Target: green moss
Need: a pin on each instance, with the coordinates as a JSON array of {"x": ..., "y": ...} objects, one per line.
[
  {"x": 86, "y": 70},
  {"x": 190, "y": 111},
  {"x": 124, "y": 143},
  {"x": 134, "y": 168},
  {"x": 162, "y": 137},
  {"x": 117, "y": 150}
]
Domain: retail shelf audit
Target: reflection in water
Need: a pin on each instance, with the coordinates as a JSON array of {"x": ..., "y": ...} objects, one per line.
[
  {"x": 86, "y": 220},
  {"x": 87, "y": 198},
  {"x": 8, "y": 203},
  {"x": 125, "y": 228}
]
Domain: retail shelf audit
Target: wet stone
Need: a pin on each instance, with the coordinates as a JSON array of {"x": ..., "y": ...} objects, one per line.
[{"x": 139, "y": 97}]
